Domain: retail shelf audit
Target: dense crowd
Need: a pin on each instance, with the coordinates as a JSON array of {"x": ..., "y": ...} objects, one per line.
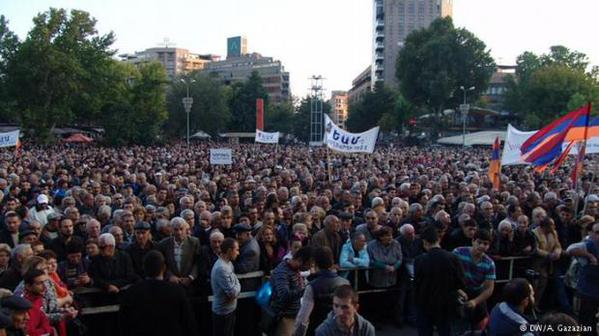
[{"x": 157, "y": 226}]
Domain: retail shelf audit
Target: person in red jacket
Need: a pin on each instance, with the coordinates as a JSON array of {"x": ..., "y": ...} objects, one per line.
[{"x": 38, "y": 324}]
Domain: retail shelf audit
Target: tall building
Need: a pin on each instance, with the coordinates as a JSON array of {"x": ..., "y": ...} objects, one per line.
[
  {"x": 393, "y": 21},
  {"x": 176, "y": 61},
  {"x": 360, "y": 86},
  {"x": 339, "y": 107},
  {"x": 237, "y": 46},
  {"x": 239, "y": 68},
  {"x": 495, "y": 94}
]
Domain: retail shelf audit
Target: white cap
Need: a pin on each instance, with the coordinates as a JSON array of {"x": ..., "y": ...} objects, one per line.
[{"x": 41, "y": 198}]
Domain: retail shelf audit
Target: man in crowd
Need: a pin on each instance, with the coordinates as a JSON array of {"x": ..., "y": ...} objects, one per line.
[
  {"x": 154, "y": 306},
  {"x": 225, "y": 289},
  {"x": 344, "y": 319},
  {"x": 112, "y": 269},
  {"x": 508, "y": 317},
  {"x": 65, "y": 235},
  {"x": 140, "y": 247},
  {"x": 329, "y": 236},
  {"x": 180, "y": 252}
]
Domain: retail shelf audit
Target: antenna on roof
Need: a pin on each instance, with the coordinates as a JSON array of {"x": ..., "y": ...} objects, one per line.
[{"x": 166, "y": 42}]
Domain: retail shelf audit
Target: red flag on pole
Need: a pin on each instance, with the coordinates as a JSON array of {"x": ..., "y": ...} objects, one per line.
[
  {"x": 260, "y": 114},
  {"x": 495, "y": 166}
]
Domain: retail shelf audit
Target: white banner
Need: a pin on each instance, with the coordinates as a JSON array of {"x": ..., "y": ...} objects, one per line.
[
  {"x": 9, "y": 139},
  {"x": 343, "y": 141},
  {"x": 221, "y": 156},
  {"x": 266, "y": 137},
  {"x": 515, "y": 138}
]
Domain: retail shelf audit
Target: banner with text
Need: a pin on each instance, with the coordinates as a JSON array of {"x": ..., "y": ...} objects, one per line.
[
  {"x": 266, "y": 137},
  {"x": 343, "y": 141},
  {"x": 221, "y": 156},
  {"x": 9, "y": 139},
  {"x": 515, "y": 138}
]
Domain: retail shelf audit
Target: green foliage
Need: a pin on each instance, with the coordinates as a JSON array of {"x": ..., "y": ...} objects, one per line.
[
  {"x": 209, "y": 111},
  {"x": 279, "y": 118},
  {"x": 436, "y": 61},
  {"x": 242, "y": 103},
  {"x": 55, "y": 76},
  {"x": 550, "y": 85},
  {"x": 137, "y": 109},
  {"x": 9, "y": 43},
  {"x": 301, "y": 120},
  {"x": 369, "y": 111}
]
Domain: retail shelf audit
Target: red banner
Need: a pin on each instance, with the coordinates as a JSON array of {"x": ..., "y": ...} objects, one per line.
[{"x": 260, "y": 114}]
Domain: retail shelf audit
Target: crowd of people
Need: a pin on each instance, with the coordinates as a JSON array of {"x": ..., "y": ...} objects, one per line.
[{"x": 421, "y": 230}]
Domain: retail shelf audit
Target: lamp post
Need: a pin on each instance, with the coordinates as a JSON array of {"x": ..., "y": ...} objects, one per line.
[
  {"x": 187, "y": 102},
  {"x": 464, "y": 108}
]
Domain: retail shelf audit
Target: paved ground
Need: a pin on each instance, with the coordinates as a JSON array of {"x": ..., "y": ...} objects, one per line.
[{"x": 391, "y": 330}]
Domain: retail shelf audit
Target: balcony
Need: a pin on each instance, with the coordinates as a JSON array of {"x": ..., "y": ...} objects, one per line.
[
  {"x": 379, "y": 57},
  {"x": 379, "y": 47},
  {"x": 380, "y": 24},
  {"x": 379, "y": 67},
  {"x": 379, "y": 36}
]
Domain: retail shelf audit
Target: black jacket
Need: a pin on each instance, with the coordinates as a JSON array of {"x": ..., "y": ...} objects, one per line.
[
  {"x": 137, "y": 256},
  {"x": 6, "y": 238},
  {"x": 438, "y": 275},
  {"x": 156, "y": 307},
  {"x": 117, "y": 270}
]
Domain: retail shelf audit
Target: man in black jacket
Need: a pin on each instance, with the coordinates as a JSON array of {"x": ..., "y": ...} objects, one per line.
[
  {"x": 439, "y": 283},
  {"x": 141, "y": 246},
  {"x": 112, "y": 269},
  {"x": 154, "y": 306}
]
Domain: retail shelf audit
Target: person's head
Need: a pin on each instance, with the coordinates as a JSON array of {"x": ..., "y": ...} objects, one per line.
[
  {"x": 66, "y": 228},
  {"x": 358, "y": 241},
  {"x": 74, "y": 250},
  {"x": 243, "y": 233},
  {"x": 34, "y": 280},
  {"x": 91, "y": 247},
  {"x": 407, "y": 231},
  {"x": 117, "y": 233},
  {"x": 481, "y": 241},
  {"x": 107, "y": 245},
  {"x": 430, "y": 237},
  {"x": 37, "y": 247},
  {"x": 18, "y": 309},
  {"x": 345, "y": 304},
  {"x": 372, "y": 219},
  {"x": 547, "y": 224},
  {"x": 153, "y": 264},
  {"x": 216, "y": 240},
  {"x": 189, "y": 216},
  {"x": 21, "y": 253},
  {"x": 505, "y": 229},
  {"x": 4, "y": 255},
  {"x": 229, "y": 249},
  {"x": 595, "y": 232},
  {"x": 522, "y": 223},
  {"x": 519, "y": 293},
  {"x": 92, "y": 228},
  {"x": 266, "y": 235},
  {"x": 469, "y": 228},
  {"x": 332, "y": 224},
  {"x": 51, "y": 260},
  {"x": 302, "y": 259},
  {"x": 384, "y": 235},
  {"x": 560, "y": 325},
  {"x": 323, "y": 258},
  {"x": 180, "y": 229},
  {"x": 12, "y": 221}
]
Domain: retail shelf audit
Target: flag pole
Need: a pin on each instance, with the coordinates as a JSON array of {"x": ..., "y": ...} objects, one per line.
[{"x": 580, "y": 160}]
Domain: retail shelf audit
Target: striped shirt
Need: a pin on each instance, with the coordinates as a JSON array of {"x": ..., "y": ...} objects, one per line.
[{"x": 475, "y": 274}]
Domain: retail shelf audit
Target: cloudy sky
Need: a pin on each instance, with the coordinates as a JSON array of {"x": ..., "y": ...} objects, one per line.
[{"x": 331, "y": 38}]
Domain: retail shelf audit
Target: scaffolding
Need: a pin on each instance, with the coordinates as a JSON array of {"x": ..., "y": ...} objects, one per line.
[{"x": 316, "y": 112}]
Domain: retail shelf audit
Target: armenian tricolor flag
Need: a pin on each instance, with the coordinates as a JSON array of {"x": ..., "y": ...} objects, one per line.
[{"x": 495, "y": 166}]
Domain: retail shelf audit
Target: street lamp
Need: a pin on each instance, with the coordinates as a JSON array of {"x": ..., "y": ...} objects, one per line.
[
  {"x": 464, "y": 108},
  {"x": 187, "y": 102}
]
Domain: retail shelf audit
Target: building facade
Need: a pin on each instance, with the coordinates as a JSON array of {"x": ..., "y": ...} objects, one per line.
[
  {"x": 176, "y": 61},
  {"x": 339, "y": 107},
  {"x": 495, "y": 95},
  {"x": 393, "y": 21},
  {"x": 360, "y": 86},
  {"x": 238, "y": 69}
]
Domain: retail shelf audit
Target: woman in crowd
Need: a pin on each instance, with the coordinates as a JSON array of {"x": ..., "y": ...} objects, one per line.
[{"x": 271, "y": 251}]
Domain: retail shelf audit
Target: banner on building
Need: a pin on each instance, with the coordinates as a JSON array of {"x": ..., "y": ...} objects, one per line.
[
  {"x": 221, "y": 156},
  {"x": 9, "y": 139},
  {"x": 343, "y": 141},
  {"x": 515, "y": 138},
  {"x": 266, "y": 137},
  {"x": 260, "y": 113}
]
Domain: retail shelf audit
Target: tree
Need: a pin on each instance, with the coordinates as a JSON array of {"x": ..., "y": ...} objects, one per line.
[
  {"x": 138, "y": 108},
  {"x": 209, "y": 111},
  {"x": 436, "y": 61},
  {"x": 550, "y": 85},
  {"x": 368, "y": 112},
  {"x": 279, "y": 117},
  {"x": 242, "y": 103},
  {"x": 56, "y": 73},
  {"x": 301, "y": 120},
  {"x": 9, "y": 43}
]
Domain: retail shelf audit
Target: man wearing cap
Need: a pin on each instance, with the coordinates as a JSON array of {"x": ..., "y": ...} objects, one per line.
[
  {"x": 249, "y": 250},
  {"x": 141, "y": 246},
  {"x": 50, "y": 230},
  {"x": 41, "y": 210},
  {"x": 180, "y": 252},
  {"x": 17, "y": 309}
]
